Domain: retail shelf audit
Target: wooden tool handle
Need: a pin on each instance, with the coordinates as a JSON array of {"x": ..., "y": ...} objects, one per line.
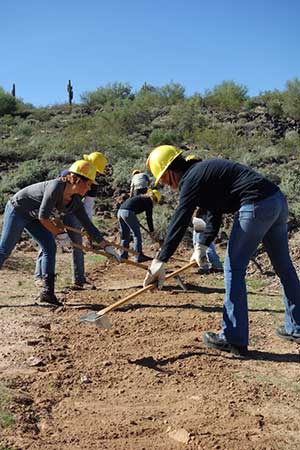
[
  {"x": 132, "y": 252},
  {"x": 104, "y": 253},
  {"x": 140, "y": 291},
  {"x": 76, "y": 230}
]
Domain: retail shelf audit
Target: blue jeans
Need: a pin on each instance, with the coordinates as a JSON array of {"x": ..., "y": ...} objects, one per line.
[
  {"x": 128, "y": 223},
  {"x": 211, "y": 253},
  {"x": 264, "y": 221},
  {"x": 77, "y": 254},
  {"x": 13, "y": 226}
]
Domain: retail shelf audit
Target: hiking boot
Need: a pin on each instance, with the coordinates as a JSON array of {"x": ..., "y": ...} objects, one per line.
[
  {"x": 288, "y": 337},
  {"x": 216, "y": 270},
  {"x": 213, "y": 340},
  {"x": 47, "y": 293},
  {"x": 76, "y": 286},
  {"x": 143, "y": 258},
  {"x": 203, "y": 271}
]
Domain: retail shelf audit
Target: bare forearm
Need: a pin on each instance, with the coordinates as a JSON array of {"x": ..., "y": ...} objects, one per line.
[{"x": 48, "y": 224}]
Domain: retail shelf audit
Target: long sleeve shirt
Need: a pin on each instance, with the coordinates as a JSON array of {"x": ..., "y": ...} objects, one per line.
[
  {"x": 219, "y": 186},
  {"x": 139, "y": 204},
  {"x": 45, "y": 199}
]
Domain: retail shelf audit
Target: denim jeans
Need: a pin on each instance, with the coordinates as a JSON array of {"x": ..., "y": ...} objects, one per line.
[
  {"x": 13, "y": 226},
  {"x": 78, "y": 272},
  {"x": 264, "y": 221},
  {"x": 211, "y": 253},
  {"x": 128, "y": 223}
]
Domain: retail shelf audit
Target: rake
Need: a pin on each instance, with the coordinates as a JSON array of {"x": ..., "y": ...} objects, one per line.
[{"x": 101, "y": 320}]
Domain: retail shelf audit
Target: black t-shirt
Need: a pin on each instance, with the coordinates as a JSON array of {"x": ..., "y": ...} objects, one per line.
[
  {"x": 219, "y": 186},
  {"x": 139, "y": 204}
]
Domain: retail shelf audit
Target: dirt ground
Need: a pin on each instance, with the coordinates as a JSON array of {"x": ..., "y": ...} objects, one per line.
[{"x": 148, "y": 383}]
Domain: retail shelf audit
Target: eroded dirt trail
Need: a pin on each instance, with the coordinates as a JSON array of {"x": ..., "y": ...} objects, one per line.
[{"x": 149, "y": 382}]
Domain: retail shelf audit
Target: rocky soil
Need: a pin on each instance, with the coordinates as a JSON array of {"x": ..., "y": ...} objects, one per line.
[{"x": 149, "y": 382}]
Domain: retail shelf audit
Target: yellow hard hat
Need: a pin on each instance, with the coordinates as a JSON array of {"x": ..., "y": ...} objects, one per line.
[
  {"x": 135, "y": 171},
  {"x": 190, "y": 157},
  {"x": 85, "y": 169},
  {"x": 98, "y": 159},
  {"x": 157, "y": 195},
  {"x": 159, "y": 160}
]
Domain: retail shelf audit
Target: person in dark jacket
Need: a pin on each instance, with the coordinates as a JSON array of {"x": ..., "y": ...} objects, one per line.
[
  {"x": 222, "y": 186},
  {"x": 32, "y": 208},
  {"x": 128, "y": 221}
]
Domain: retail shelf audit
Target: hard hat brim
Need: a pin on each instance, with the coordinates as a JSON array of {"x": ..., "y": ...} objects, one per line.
[{"x": 164, "y": 170}]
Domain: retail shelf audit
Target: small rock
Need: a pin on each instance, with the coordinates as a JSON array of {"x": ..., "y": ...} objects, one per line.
[
  {"x": 180, "y": 435},
  {"x": 35, "y": 361},
  {"x": 85, "y": 379},
  {"x": 106, "y": 363},
  {"x": 33, "y": 342}
]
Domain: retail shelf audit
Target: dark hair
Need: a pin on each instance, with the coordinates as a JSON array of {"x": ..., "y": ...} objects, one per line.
[{"x": 180, "y": 164}]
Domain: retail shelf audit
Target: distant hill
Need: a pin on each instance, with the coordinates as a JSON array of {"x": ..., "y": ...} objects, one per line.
[{"x": 262, "y": 132}]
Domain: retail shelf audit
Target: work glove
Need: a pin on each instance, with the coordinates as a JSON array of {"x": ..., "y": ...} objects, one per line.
[
  {"x": 156, "y": 272},
  {"x": 199, "y": 255},
  {"x": 63, "y": 240},
  {"x": 198, "y": 224},
  {"x": 111, "y": 251}
]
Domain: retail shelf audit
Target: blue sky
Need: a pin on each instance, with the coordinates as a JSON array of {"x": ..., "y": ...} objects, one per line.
[{"x": 197, "y": 43}]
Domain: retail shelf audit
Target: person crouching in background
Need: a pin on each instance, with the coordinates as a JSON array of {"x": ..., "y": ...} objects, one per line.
[{"x": 128, "y": 221}]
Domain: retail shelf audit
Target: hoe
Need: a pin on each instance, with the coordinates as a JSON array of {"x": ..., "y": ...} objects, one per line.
[{"x": 101, "y": 320}]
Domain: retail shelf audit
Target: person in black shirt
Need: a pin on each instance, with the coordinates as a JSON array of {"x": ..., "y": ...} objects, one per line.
[
  {"x": 222, "y": 186},
  {"x": 128, "y": 221}
]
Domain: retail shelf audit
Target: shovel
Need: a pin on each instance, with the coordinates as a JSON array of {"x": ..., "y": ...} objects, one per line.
[{"x": 100, "y": 319}]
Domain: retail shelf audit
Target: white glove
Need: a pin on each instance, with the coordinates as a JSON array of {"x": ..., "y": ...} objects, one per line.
[
  {"x": 63, "y": 240},
  {"x": 111, "y": 251},
  {"x": 199, "y": 255},
  {"x": 199, "y": 224},
  {"x": 156, "y": 272}
]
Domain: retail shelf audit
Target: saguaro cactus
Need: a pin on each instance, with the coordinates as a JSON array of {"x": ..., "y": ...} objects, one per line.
[{"x": 70, "y": 92}]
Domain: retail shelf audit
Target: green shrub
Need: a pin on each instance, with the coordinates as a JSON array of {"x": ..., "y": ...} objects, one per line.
[
  {"x": 111, "y": 94},
  {"x": 27, "y": 173},
  {"x": 8, "y": 103},
  {"x": 159, "y": 137},
  {"x": 291, "y": 102},
  {"x": 272, "y": 101},
  {"x": 6, "y": 419},
  {"x": 187, "y": 117},
  {"x": 227, "y": 96}
]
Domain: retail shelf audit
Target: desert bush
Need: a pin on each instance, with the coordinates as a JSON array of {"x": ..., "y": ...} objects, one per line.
[
  {"x": 8, "y": 103},
  {"x": 291, "y": 101},
  {"x": 167, "y": 95},
  {"x": 111, "y": 94},
  {"x": 28, "y": 172},
  {"x": 6, "y": 418},
  {"x": 160, "y": 137},
  {"x": 290, "y": 185},
  {"x": 187, "y": 117},
  {"x": 292, "y": 139},
  {"x": 227, "y": 96},
  {"x": 272, "y": 101}
]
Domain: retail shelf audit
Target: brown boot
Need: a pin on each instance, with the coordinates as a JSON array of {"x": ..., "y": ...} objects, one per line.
[{"x": 47, "y": 293}]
